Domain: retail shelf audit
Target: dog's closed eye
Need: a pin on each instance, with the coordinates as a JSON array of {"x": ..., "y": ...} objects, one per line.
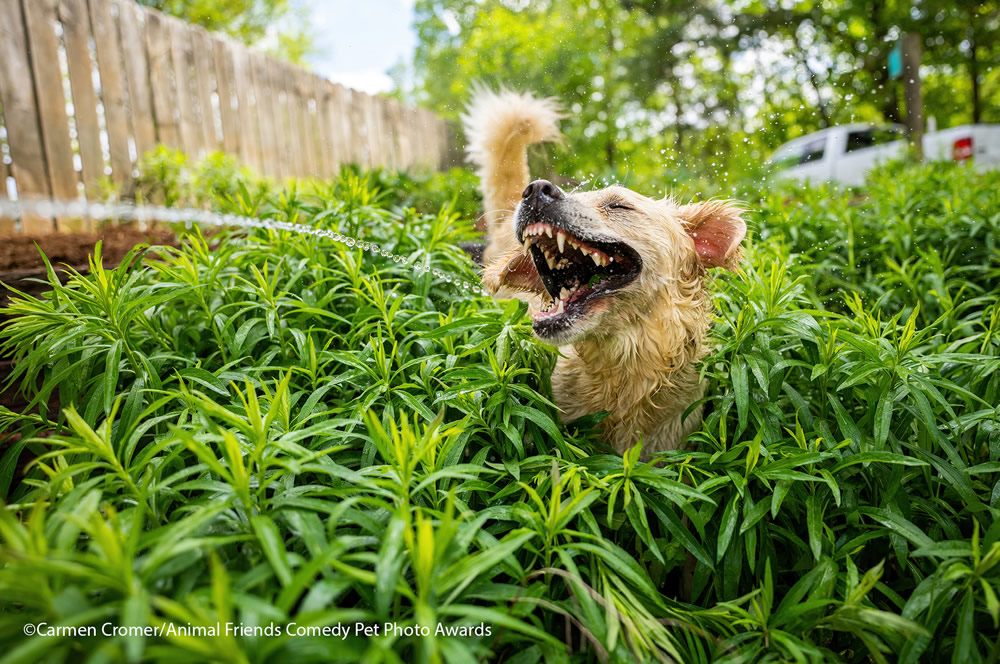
[{"x": 618, "y": 205}]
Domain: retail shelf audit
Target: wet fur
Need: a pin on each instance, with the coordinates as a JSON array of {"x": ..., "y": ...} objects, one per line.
[{"x": 634, "y": 353}]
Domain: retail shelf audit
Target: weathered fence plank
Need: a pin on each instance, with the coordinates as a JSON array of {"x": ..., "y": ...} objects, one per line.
[
  {"x": 21, "y": 116},
  {"x": 339, "y": 137},
  {"x": 358, "y": 127},
  {"x": 43, "y": 49},
  {"x": 321, "y": 93},
  {"x": 307, "y": 142},
  {"x": 269, "y": 114},
  {"x": 293, "y": 153},
  {"x": 4, "y": 174},
  {"x": 248, "y": 133},
  {"x": 224, "y": 83},
  {"x": 183, "y": 61},
  {"x": 140, "y": 101},
  {"x": 292, "y": 147},
  {"x": 290, "y": 150},
  {"x": 160, "y": 67},
  {"x": 398, "y": 132},
  {"x": 390, "y": 133},
  {"x": 112, "y": 93},
  {"x": 376, "y": 136},
  {"x": 76, "y": 37},
  {"x": 204, "y": 60}
]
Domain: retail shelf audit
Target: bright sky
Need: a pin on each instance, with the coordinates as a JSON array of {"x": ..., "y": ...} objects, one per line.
[{"x": 359, "y": 40}]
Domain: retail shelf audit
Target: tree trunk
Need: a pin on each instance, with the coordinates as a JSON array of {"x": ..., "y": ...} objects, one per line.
[
  {"x": 912, "y": 92},
  {"x": 824, "y": 114},
  {"x": 977, "y": 110}
]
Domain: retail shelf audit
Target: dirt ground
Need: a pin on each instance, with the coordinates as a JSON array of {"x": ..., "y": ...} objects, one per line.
[
  {"x": 18, "y": 252},
  {"x": 20, "y": 263}
]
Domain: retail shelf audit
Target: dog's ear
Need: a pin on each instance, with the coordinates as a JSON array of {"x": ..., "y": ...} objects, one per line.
[
  {"x": 717, "y": 230},
  {"x": 512, "y": 272}
]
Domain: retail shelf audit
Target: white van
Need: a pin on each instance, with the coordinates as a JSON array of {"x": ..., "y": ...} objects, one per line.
[{"x": 846, "y": 153}]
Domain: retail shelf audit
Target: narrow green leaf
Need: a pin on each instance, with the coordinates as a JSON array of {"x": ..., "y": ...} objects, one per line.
[
  {"x": 273, "y": 546},
  {"x": 727, "y": 527}
]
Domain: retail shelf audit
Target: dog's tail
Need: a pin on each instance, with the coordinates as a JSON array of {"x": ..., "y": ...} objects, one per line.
[{"x": 499, "y": 127}]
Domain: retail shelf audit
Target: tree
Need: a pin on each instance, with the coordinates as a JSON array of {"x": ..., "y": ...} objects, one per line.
[
  {"x": 248, "y": 21},
  {"x": 963, "y": 44},
  {"x": 555, "y": 48},
  {"x": 675, "y": 89}
]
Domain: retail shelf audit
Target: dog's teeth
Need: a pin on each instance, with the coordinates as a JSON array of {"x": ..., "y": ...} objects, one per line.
[
  {"x": 548, "y": 231},
  {"x": 561, "y": 240},
  {"x": 561, "y": 307},
  {"x": 563, "y": 293},
  {"x": 596, "y": 257},
  {"x": 550, "y": 260}
]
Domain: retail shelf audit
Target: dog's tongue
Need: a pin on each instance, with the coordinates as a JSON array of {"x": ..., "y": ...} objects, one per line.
[{"x": 520, "y": 274}]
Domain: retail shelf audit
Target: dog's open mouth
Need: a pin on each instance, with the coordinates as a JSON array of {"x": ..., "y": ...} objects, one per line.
[{"x": 575, "y": 271}]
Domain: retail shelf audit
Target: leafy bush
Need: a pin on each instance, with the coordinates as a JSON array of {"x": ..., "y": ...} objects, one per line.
[
  {"x": 170, "y": 177},
  {"x": 268, "y": 428},
  {"x": 456, "y": 190}
]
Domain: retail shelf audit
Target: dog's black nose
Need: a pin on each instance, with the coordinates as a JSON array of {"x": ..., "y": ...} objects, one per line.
[{"x": 540, "y": 193}]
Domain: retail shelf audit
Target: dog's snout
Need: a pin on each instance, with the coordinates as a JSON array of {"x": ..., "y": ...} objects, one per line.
[{"x": 541, "y": 192}]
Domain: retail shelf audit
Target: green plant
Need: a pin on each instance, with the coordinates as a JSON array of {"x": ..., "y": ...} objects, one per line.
[
  {"x": 163, "y": 177},
  {"x": 265, "y": 428}
]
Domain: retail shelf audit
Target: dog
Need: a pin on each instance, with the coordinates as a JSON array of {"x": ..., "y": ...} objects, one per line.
[{"x": 615, "y": 279}]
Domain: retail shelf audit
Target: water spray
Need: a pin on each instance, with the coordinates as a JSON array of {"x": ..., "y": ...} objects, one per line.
[{"x": 43, "y": 207}]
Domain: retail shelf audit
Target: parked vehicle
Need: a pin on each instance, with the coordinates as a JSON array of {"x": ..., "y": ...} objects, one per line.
[{"x": 846, "y": 153}]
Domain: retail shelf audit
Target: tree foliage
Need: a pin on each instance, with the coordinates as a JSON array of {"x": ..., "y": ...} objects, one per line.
[
  {"x": 248, "y": 21},
  {"x": 706, "y": 86}
]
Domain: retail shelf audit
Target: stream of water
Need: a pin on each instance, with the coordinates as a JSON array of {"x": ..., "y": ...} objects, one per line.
[{"x": 16, "y": 209}]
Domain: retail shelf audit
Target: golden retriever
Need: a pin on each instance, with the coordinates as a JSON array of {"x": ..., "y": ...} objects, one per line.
[{"x": 614, "y": 278}]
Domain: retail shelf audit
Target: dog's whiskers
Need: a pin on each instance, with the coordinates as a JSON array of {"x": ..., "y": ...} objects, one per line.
[{"x": 511, "y": 211}]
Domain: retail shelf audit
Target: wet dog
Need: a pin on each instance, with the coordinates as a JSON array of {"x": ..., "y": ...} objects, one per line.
[{"x": 614, "y": 278}]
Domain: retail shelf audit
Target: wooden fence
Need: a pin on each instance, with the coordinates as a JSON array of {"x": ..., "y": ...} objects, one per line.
[{"x": 87, "y": 86}]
